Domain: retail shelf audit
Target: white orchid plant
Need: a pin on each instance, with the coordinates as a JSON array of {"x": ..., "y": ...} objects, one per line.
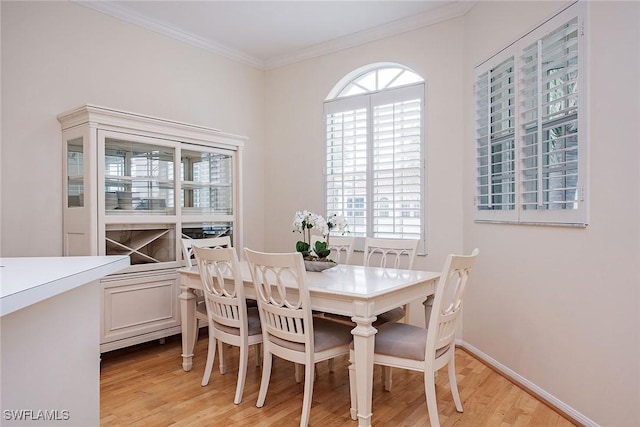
[{"x": 305, "y": 221}]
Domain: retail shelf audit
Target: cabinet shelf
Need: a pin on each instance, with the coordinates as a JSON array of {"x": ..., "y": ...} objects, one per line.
[
  {"x": 193, "y": 185},
  {"x": 136, "y": 212},
  {"x": 207, "y": 211},
  {"x": 123, "y": 179}
]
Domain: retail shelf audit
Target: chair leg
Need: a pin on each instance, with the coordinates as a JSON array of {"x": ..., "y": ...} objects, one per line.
[
  {"x": 309, "y": 371},
  {"x": 195, "y": 323},
  {"x": 352, "y": 386},
  {"x": 405, "y": 318},
  {"x": 451, "y": 367},
  {"x": 211, "y": 356},
  {"x": 386, "y": 377},
  {"x": 430, "y": 392},
  {"x": 297, "y": 372},
  {"x": 195, "y": 336},
  {"x": 223, "y": 359},
  {"x": 331, "y": 365},
  {"x": 258, "y": 350},
  {"x": 242, "y": 373},
  {"x": 264, "y": 382},
  {"x": 428, "y": 306}
]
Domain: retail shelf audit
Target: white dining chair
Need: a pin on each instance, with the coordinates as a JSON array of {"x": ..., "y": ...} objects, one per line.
[
  {"x": 187, "y": 254},
  {"x": 390, "y": 253},
  {"x": 385, "y": 253},
  {"x": 208, "y": 242},
  {"x": 341, "y": 252},
  {"x": 341, "y": 247},
  {"x": 230, "y": 321},
  {"x": 289, "y": 330},
  {"x": 401, "y": 345}
]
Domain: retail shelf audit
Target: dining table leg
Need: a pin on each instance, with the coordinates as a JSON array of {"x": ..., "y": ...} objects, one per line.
[
  {"x": 189, "y": 325},
  {"x": 363, "y": 345}
]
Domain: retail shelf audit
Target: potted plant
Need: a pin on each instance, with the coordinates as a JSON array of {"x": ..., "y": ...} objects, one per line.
[{"x": 317, "y": 257}]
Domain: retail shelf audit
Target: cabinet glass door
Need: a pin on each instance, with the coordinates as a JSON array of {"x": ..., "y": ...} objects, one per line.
[
  {"x": 138, "y": 178},
  {"x": 75, "y": 173},
  {"x": 206, "y": 183}
]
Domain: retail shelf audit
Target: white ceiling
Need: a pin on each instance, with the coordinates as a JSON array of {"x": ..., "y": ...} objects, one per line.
[{"x": 268, "y": 34}]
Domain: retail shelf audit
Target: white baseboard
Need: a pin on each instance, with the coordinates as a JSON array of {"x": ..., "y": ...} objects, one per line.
[{"x": 520, "y": 380}]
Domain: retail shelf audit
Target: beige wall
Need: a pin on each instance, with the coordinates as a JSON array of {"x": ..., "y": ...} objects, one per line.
[
  {"x": 560, "y": 306},
  {"x": 293, "y": 158},
  {"x": 57, "y": 56}
]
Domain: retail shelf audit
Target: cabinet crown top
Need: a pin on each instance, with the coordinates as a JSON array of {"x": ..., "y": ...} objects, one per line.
[{"x": 118, "y": 120}]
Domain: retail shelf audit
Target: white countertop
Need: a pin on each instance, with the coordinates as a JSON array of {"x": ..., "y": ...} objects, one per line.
[{"x": 29, "y": 280}]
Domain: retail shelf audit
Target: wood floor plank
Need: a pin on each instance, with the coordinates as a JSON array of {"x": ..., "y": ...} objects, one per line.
[{"x": 145, "y": 386}]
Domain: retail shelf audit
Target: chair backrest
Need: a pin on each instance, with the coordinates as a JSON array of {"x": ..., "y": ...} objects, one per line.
[
  {"x": 341, "y": 247},
  {"x": 392, "y": 253},
  {"x": 225, "y": 300},
  {"x": 283, "y": 299},
  {"x": 447, "y": 304},
  {"x": 208, "y": 242}
]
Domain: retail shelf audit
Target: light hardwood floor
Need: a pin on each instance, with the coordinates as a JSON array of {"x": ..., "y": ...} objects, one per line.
[{"x": 146, "y": 386}]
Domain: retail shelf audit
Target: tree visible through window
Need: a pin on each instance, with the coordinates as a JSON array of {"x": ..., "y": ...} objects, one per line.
[{"x": 374, "y": 137}]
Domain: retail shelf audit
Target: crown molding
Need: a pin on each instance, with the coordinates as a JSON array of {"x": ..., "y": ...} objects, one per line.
[
  {"x": 425, "y": 19},
  {"x": 450, "y": 11},
  {"x": 135, "y": 18}
]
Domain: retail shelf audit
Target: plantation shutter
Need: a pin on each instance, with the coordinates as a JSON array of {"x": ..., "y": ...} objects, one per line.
[
  {"x": 375, "y": 162},
  {"x": 346, "y": 161},
  {"x": 495, "y": 141},
  {"x": 531, "y": 145},
  {"x": 549, "y": 129},
  {"x": 397, "y": 163}
]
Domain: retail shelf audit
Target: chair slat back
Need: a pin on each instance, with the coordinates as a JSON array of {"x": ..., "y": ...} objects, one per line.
[
  {"x": 390, "y": 253},
  {"x": 283, "y": 296},
  {"x": 341, "y": 247},
  {"x": 210, "y": 242},
  {"x": 222, "y": 285},
  {"x": 447, "y": 304}
]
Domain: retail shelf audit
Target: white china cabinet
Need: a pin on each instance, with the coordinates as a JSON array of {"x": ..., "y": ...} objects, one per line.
[{"x": 135, "y": 185}]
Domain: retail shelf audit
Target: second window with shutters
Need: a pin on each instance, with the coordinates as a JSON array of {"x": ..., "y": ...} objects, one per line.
[{"x": 531, "y": 129}]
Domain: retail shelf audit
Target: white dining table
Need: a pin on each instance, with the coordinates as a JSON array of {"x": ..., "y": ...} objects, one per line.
[{"x": 359, "y": 292}]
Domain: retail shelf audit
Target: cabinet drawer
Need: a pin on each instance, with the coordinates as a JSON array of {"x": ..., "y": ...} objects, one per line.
[{"x": 138, "y": 305}]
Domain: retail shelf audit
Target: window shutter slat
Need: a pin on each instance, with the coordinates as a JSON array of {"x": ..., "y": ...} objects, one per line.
[
  {"x": 550, "y": 125},
  {"x": 495, "y": 103},
  {"x": 396, "y": 169},
  {"x": 346, "y": 164}
]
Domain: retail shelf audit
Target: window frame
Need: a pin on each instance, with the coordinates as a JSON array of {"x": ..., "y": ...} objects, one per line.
[
  {"x": 369, "y": 101},
  {"x": 519, "y": 215}
]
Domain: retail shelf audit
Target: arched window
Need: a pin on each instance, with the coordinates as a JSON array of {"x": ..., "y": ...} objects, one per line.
[
  {"x": 368, "y": 79},
  {"x": 374, "y": 136}
]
